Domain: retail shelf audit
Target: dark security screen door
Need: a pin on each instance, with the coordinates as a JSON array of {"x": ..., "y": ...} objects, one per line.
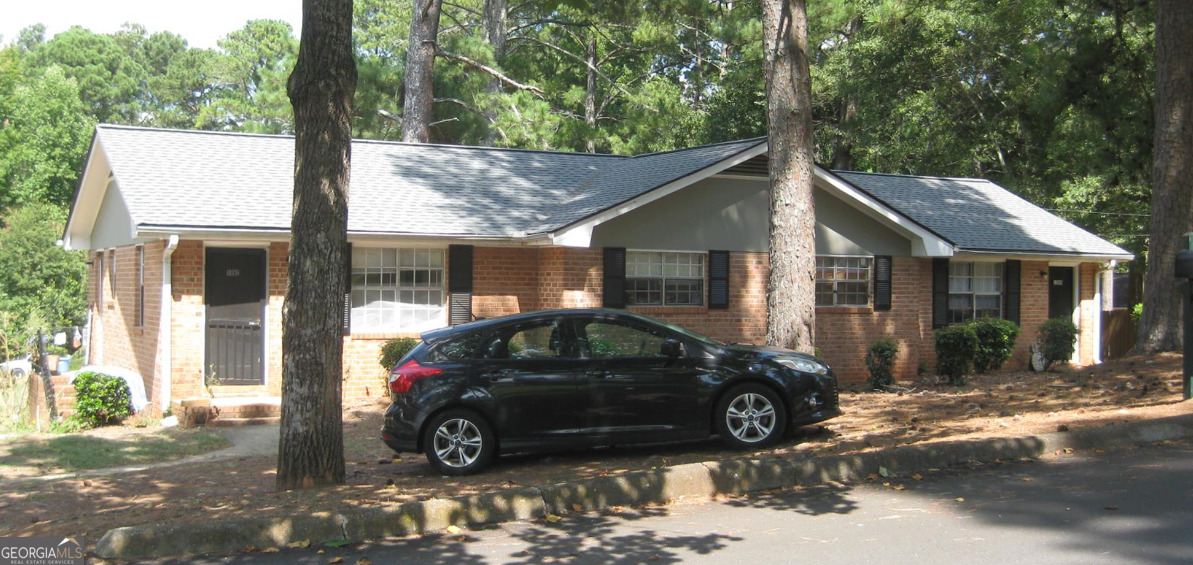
[
  {"x": 234, "y": 293},
  {"x": 1060, "y": 292}
]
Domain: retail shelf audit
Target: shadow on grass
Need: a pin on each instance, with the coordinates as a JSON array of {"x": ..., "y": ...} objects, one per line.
[{"x": 79, "y": 452}]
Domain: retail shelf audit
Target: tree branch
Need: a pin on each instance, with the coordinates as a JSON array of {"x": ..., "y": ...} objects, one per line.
[{"x": 491, "y": 72}]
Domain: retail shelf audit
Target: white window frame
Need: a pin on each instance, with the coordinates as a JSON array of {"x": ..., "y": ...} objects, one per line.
[
  {"x": 398, "y": 290},
  {"x": 688, "y": 266},
  {"x": 867, "y": 267},
  {"x": 972, "y": 291}
]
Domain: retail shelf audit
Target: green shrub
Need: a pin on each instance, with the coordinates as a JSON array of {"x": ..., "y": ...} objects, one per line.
[
  {"x": 1137, "y": 312},
  {"x": 100, "y": 399},
  {"x": 955, "y": 347},
  {"x": 394, "y": 350},
  {"x": 880, "y": 360},
  {"x": 1057, "y": 337},
  {"x": 996, "y": 340}
]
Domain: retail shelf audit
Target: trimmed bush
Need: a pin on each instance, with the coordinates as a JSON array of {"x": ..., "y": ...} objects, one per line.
[
  {"x": 955, "y": 346},
  {"x": 394, "y": 350},
  {"x": 880, "y": 360},
  {"x": 996, "y": 340},
  {"x": 1057, "y": 338},
  {"x": 100, "y": 399}
]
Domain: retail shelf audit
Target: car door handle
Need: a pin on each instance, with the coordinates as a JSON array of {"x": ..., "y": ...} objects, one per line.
[{"x": 497, "y": 375}]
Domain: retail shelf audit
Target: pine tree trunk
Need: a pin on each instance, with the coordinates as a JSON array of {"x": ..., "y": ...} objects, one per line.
[
  {"x": 418, "y": 107},
  {"x": 1172, "y": 176},
  {"x": 791, "y": 291},
  {"x": 496, "y": 17},
  {"x": 590, "y": 116},
  {"x": 321, "y": 88}
]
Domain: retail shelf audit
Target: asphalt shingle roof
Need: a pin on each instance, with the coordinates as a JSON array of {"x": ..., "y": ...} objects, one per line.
[
  {"x": 222, "y": 180},
  {"x": 978, "y": 215},
  {"x": 196, "y": 179}
]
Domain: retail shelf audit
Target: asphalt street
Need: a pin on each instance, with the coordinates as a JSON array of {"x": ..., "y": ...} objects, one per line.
[{"x": 1131, "y": 505}]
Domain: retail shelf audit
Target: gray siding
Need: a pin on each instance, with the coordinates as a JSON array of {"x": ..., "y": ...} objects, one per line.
[
  {"x": 732, "y": 214},
  {"x": 114, "y": 226}
]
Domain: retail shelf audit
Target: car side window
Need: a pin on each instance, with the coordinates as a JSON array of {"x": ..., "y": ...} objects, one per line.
[
  {"x": 536, "y": 341},
  {"x": 607, "y": 339},
  {"x": 455, "y": 351}
]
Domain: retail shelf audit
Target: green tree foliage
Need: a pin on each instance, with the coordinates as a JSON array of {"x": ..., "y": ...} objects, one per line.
[
  {"x": 41, "y": 285},
  {"x": 43, "y": 140}
]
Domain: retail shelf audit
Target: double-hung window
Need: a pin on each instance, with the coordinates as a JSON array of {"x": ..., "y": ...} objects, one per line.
[
  {"x": 843, "y": 281},
  {"x": 397, "y": 290},
  {"x": 664, "y": 278},
  {"x": 975, "y": 291}
]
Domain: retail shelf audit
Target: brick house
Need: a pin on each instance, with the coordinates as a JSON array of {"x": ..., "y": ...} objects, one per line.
[{"x": 187, "y": 238}]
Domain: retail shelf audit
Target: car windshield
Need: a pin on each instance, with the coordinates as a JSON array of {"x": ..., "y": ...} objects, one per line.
[{"x": 686, "y": 332}]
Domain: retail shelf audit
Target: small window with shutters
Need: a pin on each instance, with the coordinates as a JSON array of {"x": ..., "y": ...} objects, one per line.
[
  {"x": 843, "y": 281},
  {"x": 664, "y": 278}
]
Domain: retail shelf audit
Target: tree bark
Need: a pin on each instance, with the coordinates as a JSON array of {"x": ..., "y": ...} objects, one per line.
[
  {"x": 791, "y": 290},
  {"x": 321, "y": 89},
  {"x": 590, "y": 112},
  {"x": 418, "y": 106},
  {"x": 496, "y": 18},
  {"x": 1172, "y": 176}
]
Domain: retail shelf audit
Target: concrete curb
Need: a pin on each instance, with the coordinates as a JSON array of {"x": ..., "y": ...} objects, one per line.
[{"x": 657, "y": 486}]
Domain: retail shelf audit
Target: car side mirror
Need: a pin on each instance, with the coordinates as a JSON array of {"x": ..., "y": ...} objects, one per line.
[{"x": 672, "y": 348}]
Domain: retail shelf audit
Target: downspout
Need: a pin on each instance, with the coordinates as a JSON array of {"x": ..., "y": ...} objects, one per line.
[
  {"x": 164, "y": 346},
  {"x": 1098, "y": 316}
]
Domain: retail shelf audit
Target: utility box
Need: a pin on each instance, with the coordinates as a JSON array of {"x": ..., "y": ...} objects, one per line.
[
  {"x": 1184, "y": 270},
  {"x": 1184, "y": 264}
]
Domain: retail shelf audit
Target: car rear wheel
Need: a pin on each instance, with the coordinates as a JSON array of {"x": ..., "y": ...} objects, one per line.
[
  {"x": 17, "y": 374},
  {"x": 750, "y": 416},
  {"x": 459, "y": 442}
]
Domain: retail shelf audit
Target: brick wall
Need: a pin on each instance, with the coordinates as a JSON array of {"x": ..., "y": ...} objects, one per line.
[
  {"x": 508, "y": 280},
  {"x": 129, "y": 338}
]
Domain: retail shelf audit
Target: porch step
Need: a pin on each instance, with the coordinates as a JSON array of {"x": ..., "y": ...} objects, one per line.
[
  {"x": 223, "y": 422},
  {"x": 224, "y": 411}
]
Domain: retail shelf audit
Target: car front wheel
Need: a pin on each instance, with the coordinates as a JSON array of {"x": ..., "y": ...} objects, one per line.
[
  {"x": 750, "y": 416},
  {"x": 459, "y": 442}
]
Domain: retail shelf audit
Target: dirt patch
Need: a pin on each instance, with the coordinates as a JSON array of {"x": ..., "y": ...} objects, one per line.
[{"x": 1003, "y": 404}]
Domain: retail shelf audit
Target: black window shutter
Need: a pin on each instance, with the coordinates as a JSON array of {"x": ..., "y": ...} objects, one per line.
[
  {"x": 718, "y": 280},
  {"x": 940, "y": 293},
  {"x": 347, "y": 323},
  {"x": 459, "y": 284},
  {"x": 614, "y": 279},
  {"x": 1012, "y": 272},
  {"x": 882, "y": 282}
]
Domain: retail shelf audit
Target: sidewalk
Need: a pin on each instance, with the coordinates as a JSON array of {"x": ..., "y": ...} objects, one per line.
[{"x": 657, "y": 486}]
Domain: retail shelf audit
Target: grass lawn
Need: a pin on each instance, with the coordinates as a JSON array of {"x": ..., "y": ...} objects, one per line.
[{"x": 40, "y": 454}]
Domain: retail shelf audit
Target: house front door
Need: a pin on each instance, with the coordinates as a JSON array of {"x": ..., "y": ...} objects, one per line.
[
  {"x": 1060, "y": 292},
  {"x": 235, "y": 296}
]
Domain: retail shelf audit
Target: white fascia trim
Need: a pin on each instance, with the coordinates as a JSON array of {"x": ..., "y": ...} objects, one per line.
[
  {"x": 923, "y": 242},
  {"x": 96, "y": 181},
  {"x": 1051, "y": 258},
  {"x": 279, "y": 234},
  {"x": 580, "y": 234}
]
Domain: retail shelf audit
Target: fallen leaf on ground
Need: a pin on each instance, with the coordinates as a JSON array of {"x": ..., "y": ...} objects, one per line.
[
  {"x": 918, "y": 477},
  {"x": 553, "y": 518},
  {"x": 453, "y": 530},
  {"x": 336, "y": 559},
  {"x": 337, "y": 543},
  {"x": 300, "y": 543},
  {"x": 959, "y": 499},
  {"x": 364, "y": 561}
]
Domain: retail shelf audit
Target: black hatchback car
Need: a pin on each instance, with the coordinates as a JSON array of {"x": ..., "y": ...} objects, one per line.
[{"x": 563, "y": 379}]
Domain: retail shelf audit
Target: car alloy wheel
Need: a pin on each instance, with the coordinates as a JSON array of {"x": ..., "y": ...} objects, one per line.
[
  {"x": 459, "y": 442},
  {"x": 751, "y": 416}
]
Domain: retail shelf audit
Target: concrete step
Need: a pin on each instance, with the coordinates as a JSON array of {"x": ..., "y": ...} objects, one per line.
[{"x": 222, "y": 422}]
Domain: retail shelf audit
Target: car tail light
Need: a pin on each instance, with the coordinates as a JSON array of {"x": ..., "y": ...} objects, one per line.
[{"x": 403, "y": 376}]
